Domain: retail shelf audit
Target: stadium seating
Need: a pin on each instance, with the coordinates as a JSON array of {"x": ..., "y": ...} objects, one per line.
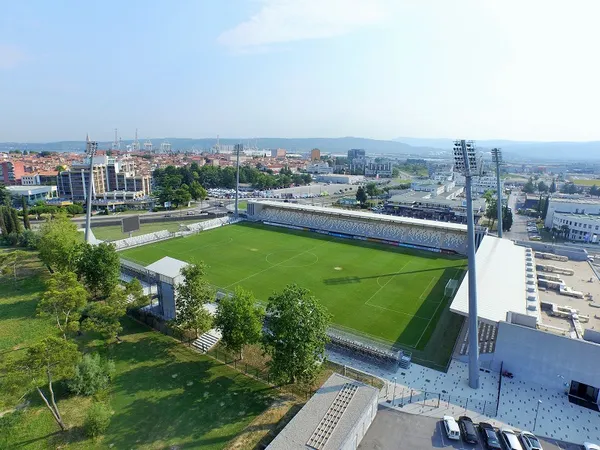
[
  {"x": 142, "y": 239},
  {"x": 367, "y": 228}
]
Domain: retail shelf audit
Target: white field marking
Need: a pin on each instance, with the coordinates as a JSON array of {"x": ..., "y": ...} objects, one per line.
[
  {"x": 427, "y": 287},
  {"x": 385, "y": 284},
  {"x": 278, "y": 264},
  {"x": 434, "y": 313}
]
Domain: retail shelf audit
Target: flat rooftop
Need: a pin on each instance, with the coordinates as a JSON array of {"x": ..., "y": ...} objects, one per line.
[
  {"x": 301, "y": 429},
  {"x": 580, "y": 281},
  {"x": 501, "y": 281},
  {"x": 562, "y": 215},
  {"x": 367, "y": 215},
  {"x": 167, "y": 266},
  {"x": 23, "y": 190}
]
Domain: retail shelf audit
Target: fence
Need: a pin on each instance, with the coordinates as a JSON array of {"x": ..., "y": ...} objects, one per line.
[{"x": 423, "y": 402}]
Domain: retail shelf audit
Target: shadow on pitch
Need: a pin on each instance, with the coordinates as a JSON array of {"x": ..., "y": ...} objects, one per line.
[{"x": 350, "y": 280}]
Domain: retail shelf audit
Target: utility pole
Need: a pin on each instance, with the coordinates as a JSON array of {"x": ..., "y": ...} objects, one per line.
[
  {"x": 90, "y": 149},
  {"x": 497, "y": 158},
  {"x": 465, "y": 162}
]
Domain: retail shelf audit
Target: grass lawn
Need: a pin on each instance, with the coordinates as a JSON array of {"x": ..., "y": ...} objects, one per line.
[
  {"x": 113, "y": 232},
  {"x": 162, "y": 395},
  {"x": 389, "y": 293},
  {"x": 586, "y": 182}
]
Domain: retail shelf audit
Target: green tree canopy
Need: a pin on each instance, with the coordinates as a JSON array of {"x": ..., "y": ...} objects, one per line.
[
  {"x": 529, "y": 187},
  {"x": 63, "y": 301},
  {"x": 297, "y": 334},
  {"x": 60, "y": 244},
  {"x": 45, "y": 362},
  {"x": 361, "y": 195},
  {"x": 99, "y": 266},
  {"x": 372, "y": 190},
  {"x": 104, "y": 316},
  {"x": 240, "y": 320},
  {"x": 192, "y": 296},
  {"x": 542, "y": 187},
  {"x": 4, "y": 196},
  {"x": 552, "y": 188}
]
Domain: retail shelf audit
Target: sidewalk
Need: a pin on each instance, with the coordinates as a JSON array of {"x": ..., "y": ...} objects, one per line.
[{"x": 557, "y": 418}]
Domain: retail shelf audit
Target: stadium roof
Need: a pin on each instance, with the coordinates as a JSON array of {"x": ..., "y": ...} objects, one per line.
[
  {"x": 368, "y": 215},
  {"x": 501, "y": 281},
  {"x": 167, "y": 266},
  {"x": 327, "y": 420}
]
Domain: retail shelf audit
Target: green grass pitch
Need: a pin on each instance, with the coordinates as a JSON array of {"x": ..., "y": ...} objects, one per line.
[{"x": 390, "y": 293}]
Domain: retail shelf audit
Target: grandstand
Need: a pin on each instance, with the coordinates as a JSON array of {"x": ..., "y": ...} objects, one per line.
[{"x": 402, "y": 231}]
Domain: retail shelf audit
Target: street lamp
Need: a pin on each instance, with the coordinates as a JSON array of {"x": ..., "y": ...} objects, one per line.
[
  {"x": 497, "y": 158},
  {"x": 91, "y": 147},
  {"x": 536, "y": 414},
  {"x": 466, "y": 162}
]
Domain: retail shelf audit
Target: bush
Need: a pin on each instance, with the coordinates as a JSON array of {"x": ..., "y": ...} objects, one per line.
[
  {"x": 12, "y": 239},
  {"x": 28, "y": 239},
  {"x": 92, "y": 374},
  {"x": 97, "y": 419}
]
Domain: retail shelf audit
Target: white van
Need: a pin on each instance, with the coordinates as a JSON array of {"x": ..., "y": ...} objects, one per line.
[
  {"x": 510, "y": 439},
  {"x": 451, "y": 427}
]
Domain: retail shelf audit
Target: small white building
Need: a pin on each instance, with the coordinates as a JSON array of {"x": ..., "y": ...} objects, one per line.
[
  {"x": 319, "y": 168},
  {"x": 570, "y": 205},
  {"x": 340, "y": 179},
  {"x": 33, "y": 193},
  {"x": 336, "y": 418}
]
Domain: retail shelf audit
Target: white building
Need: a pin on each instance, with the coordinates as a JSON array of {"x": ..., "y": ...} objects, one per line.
[
  {"x": 570, "y": 205},
  {"x": 33, "y": 193},
  {"x": 582, "y": 227},
  {"x": 479, "y": 185},
  {"x": 319, "y": 168}
]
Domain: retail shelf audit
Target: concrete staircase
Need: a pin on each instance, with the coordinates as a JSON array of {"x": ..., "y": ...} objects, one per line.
[{"x": 207, "y": 341}]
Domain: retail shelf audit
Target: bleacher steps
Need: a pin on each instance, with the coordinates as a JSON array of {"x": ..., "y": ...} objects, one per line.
[{"x": 207, "y": 341}]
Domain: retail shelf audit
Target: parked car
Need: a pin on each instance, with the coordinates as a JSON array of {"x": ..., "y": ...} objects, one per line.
[
  {"x": 530, "y": 442},
  {"x": 590, "y": 446},
  {"x": 451, "y": 427},
  {"x": 511, "y": 441},
  {"x": 489, "y": 436},
  {"x": 467, "y": 429}
]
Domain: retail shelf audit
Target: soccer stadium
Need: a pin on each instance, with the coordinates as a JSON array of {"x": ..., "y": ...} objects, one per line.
[{"x": 383, "y": 279}]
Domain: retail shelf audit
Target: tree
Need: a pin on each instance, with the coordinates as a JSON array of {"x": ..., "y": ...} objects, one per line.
[
  {"x": 197, "y": 191},
  {"x": 569, "y": 188},
  {"x": 4, "y": 196},
  {"x": 63, "y": 301},
  {"x": 10, "y": 262},
  {"x": 507, "y": 219},
  {"x": 97, "y": 419},
  {"x": 552, "y": 188},
  {"x": 240, "y": 320},
  {"x": 100, "y": 268},
  {"x": 529, "y": 187},
  {"x": 491, "y": 211},
  {"x": 91, "y": 375},
  {"x": 594, "y": 190},
  {"x": 546, "y": 205},
  {"x": 135, "y": 294},
  {"x": 104, "y": 316},
  {"x": 361, "y": 195},
  {"x": 60, "y": 244},
  {"x": 372, "y": 190},
  {"x": 25, "y": 214},
  {"x": 182, "y": 195},
  {"x": 45, "y": 362},
  {"x": 542, "y": 187},
  {"x": 192, "y": 295},
  {"x": 296, "y": 336},
  {"x": 10, "y": 221}
]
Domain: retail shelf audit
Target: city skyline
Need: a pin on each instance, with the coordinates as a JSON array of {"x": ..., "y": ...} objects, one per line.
[{"x": 377, "y": 69}]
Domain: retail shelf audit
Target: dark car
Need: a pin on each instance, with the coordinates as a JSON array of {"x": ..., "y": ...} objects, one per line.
[
  {"x": 489, "y": 436},
  {"x": 467, "y": 429}
]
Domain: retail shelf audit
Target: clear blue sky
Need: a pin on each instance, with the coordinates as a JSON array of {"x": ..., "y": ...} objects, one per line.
[{"x": 525, "y": 70}]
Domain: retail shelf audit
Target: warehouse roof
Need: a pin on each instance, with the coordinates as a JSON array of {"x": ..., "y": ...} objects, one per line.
[
  {"x": 328, "y": 418},
  {"x": 167, "y": 266},
  {"x": 501, "y": 281}
]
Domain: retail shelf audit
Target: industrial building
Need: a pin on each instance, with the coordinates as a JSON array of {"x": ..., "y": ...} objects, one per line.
[
  {"x": 335, "y": 418},
  {"x": 33, "y": 194},
  {"x": 571, "y": 205},
  {"x": 578, "y": 227}
]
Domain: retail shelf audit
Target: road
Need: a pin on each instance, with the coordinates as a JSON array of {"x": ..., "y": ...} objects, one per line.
[
  {"x": 518, "y": 230},
  {"x": 392, "y": 430}
]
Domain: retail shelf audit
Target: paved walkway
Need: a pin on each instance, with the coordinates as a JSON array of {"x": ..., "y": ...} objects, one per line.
[{"x": 420, "y": 390}]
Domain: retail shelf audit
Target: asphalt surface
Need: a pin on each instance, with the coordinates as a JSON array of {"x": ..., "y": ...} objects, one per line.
[{"x": 393, "y": 430}]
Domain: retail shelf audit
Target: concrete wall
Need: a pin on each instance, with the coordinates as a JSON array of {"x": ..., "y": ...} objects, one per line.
[
  {"x": 573, "y": 253},
  {"x": 544, "y": 357},
  {"x": 360, "y": 429}
]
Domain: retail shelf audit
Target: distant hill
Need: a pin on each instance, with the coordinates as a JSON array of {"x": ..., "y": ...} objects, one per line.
[
  {"x": 522, "y": 149},
  {"x": 334, "y": 145}
]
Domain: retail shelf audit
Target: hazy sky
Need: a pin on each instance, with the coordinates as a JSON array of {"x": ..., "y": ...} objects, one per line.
[{"x": 510, "y": 69}]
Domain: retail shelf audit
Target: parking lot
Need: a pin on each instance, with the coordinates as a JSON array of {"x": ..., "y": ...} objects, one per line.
[{"x": 397, "y": 430}]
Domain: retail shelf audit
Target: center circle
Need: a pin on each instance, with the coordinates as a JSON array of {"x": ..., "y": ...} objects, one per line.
[{"x": 289, "y": 258}]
